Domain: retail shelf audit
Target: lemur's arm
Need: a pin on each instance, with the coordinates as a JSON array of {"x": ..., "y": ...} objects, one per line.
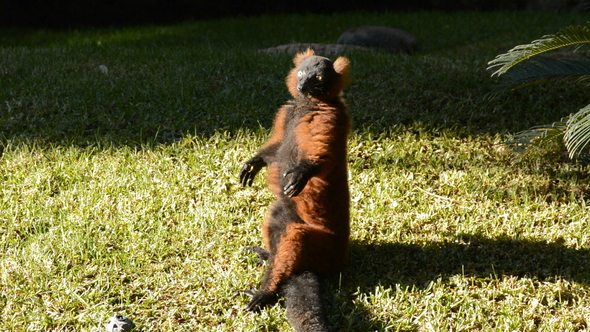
[{"x": 266, "y": 153}]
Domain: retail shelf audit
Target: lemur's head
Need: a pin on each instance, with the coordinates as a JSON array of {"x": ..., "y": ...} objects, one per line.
[{"x": 317, "y": 76}]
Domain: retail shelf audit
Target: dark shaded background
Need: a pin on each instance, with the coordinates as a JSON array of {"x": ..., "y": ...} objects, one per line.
[{"x": 82, "y": 13}]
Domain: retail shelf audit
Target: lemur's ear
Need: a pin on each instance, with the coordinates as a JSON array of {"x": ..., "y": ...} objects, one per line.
[
  {"x": 292, "y": 77},
  {"x": 342, "y": 67},
  {"x": 300, "y": 56}
]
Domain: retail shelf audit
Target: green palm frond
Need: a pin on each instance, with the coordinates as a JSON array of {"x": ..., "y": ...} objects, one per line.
[
  {"x": 543, "y": 69},
  {"x": 577, "y": 134},
  {"x": 527, "y": 141},
  {"x": 573, "y": 35}
]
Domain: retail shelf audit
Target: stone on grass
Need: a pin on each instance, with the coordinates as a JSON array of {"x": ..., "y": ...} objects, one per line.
[
  {"x": 389, "y": 39},
  {"x": 323, "y": 49},
  {"x": 119, "y": 323}
]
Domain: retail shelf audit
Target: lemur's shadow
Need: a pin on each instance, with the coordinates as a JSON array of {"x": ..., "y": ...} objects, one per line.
[{"x": 390, "y": 264}]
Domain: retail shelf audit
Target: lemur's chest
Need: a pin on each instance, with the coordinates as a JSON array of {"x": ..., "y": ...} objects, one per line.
[{"x": 300, "y": 112}]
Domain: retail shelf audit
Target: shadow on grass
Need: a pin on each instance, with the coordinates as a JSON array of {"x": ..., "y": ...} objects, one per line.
[
  {"x": 156, "y": 84},
  {"x": 158, "y": 94},
  {"x": 414, "y": 265},
  {"x": 391, "y": 264}
]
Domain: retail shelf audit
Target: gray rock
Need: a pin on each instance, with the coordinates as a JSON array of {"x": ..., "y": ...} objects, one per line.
[
  {"x": 119, "y": 323},
  {"x": 389, "y": 39},
  {"x": 323, "y": 49}
]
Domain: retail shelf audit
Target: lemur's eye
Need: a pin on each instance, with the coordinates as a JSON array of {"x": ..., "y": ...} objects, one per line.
[
  {"x": 300, "y": 73},
  {"x": 319, "y": 77}
]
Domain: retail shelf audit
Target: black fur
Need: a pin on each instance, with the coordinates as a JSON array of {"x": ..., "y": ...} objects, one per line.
[{"x": 304, "y": 303}]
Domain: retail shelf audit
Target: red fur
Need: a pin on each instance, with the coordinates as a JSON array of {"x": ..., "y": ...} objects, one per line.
[{"x": 279, "y": 131}]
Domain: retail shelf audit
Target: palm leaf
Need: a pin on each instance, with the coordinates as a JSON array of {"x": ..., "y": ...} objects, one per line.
[
  {"x": 573, "y": 35},
  {"x": 577, "y": 135},
  {"x": 527, "y": 141},
  {"x": 543, "y": 69}
]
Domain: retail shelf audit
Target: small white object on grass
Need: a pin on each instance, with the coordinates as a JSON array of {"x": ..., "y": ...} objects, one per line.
[
  {"x": 119, "y": 323},
  {"x": 103, "y": 69}
]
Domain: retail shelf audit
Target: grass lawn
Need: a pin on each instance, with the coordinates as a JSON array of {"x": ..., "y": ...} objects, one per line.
[{"x": 119, "y": 190}]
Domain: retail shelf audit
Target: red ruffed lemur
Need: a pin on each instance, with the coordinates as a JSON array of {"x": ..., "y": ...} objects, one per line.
[{"x": 306, "y": 232}]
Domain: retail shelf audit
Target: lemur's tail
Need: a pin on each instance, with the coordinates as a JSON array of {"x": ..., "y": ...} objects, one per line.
[{"x": 304, "y": 303}]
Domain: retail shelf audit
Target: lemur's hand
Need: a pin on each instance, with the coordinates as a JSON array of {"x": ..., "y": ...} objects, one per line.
[
  {"x": 296, "y": 178},
  {"x": 250, "y": 169}
]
